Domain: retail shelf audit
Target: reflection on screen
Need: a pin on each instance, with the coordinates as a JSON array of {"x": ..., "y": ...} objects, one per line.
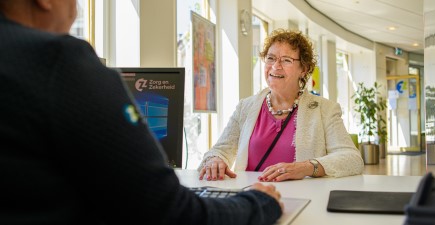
[{"x": 155, "y": 110}]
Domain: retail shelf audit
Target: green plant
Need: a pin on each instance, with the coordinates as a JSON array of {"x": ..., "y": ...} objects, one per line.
[
  {"x": 382, "y": 126},
  {"x": 367, "y": 106}
]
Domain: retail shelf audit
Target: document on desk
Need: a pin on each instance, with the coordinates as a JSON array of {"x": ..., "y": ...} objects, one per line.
[{"x": 292, "y": 208}]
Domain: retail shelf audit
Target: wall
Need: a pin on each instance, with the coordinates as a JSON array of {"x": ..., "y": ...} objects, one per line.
[
  {"x": 123, "y": 40},
  {"x": 158, "y": 37}
]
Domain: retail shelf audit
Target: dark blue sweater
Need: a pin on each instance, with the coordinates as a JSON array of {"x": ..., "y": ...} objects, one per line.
[{"x": 72, "y": 152}]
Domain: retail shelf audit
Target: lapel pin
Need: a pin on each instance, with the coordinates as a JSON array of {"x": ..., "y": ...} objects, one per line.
[{"x": 313, "y": 104}]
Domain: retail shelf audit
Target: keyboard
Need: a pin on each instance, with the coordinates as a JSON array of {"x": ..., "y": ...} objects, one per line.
[
  {"x": 292, "y": 206},
  {"x": 213, "y": 192}
]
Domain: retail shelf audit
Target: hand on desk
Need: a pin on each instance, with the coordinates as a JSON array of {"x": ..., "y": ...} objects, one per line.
[
  {"x": 270, "y": 190},
  {"x": 288, "y": 171},
  {"x": 215, "y": 169}
]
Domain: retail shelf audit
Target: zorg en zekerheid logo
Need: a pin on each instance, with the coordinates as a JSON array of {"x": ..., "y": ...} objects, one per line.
[{"x": 142, "y": 84}]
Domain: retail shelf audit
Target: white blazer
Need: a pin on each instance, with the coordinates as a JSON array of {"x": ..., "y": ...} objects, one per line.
[{"x": 320, "y": 135}]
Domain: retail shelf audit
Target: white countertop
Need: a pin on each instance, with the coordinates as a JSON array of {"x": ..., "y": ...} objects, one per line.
[{"x": 317, "y": 190}]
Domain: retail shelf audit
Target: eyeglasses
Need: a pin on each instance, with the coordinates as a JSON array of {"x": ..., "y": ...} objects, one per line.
[{"x": 284, "y": 60}]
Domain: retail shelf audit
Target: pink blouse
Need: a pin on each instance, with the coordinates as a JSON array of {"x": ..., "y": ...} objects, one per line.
[{"x": 266, "y": 129}]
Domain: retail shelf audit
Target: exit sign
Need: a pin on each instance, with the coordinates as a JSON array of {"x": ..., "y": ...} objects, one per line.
[{"x": 398, "y": 51}]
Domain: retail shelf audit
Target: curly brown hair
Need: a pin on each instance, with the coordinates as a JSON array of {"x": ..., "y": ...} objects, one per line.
[{"x": 297, "y": 40}]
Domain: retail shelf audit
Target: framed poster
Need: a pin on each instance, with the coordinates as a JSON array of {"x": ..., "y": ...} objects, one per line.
[{"x": 204, "y": 64}]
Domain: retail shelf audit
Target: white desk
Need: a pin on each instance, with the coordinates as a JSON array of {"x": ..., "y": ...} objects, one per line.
[{"x": 317, "y": 189}]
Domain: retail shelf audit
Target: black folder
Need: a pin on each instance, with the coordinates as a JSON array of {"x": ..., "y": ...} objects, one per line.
[
  {"x": 421, "y": 208},
  {"x": 368, "y": 201}
]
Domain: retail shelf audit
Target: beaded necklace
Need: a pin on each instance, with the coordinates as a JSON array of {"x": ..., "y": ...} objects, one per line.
[{"x": 283, "y": 111}]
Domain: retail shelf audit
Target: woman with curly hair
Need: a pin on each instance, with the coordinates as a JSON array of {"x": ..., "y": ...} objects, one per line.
[{"x": 284, "y": 131}]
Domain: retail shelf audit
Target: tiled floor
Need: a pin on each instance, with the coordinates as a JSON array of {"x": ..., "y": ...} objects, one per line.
[{"x": 400, "y": 165}]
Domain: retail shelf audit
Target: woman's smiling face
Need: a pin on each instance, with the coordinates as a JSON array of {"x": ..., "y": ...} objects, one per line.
[{"x": 284, "y": 73}]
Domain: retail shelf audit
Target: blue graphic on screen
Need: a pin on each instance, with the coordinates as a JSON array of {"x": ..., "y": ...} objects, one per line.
[{"x": 155, "y": 109}]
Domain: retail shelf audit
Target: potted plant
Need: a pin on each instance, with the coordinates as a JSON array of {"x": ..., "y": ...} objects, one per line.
[
  {"x": 382, "y": 133},
  {"x": 367, "y": 106}
]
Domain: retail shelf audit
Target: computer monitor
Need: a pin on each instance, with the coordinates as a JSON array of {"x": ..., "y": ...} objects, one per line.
[{"x": 159, "y": 94}]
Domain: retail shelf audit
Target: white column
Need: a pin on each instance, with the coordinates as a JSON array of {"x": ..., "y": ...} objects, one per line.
[
  {"x": 328, "y": 68},
  {"x": 158, "y": 33},
  {"x": 235, "y": 56},
  {"x": 246, "y": 81}
]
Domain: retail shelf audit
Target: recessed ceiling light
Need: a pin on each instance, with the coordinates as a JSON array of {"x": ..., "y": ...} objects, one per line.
[
  {"x": 392, "y": 28},
  {"x": 415, "y": 44}
]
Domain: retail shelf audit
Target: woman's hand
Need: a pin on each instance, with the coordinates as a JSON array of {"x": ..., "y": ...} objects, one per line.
[
  {"x": 215, "y": 169},
  {"x": 287, "y": 171},
  {"x": 270, "y": 190}
]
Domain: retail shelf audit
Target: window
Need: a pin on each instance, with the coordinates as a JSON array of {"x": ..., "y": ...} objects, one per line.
[
  {"x": 197, "y": 125},
  {"x": 90, "y": 24},
  {"x": 259, "y": 33},
  {"x": 80, "y": 27}
]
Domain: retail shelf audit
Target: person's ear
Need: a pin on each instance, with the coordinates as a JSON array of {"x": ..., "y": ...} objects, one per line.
[
  {"x": 44, "y": 4},
  {"x": 304, "y": 71}
]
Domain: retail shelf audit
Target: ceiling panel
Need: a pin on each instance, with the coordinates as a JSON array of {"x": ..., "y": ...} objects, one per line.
[
  {"x": 367, "y": 18},
  {"x": 371, "y": 19}
]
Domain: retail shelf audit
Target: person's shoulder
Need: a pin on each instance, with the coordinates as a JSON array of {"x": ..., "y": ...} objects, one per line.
[
  {"x": 34, "y": 40},
  {"x": 253, "y": 99},
  {"x": 76, "y": 56},
  {"x": 18, "y": 33},
  {"x": 25, "y": 34},
  {"x": 259, "y": 95},
  {"x": 67, "y": 42},
  {"x": 246, "y": 104},
  {"x": 313, "y": 101},
  {"x": 317, "y": 98},
  {"x": 75, "y": 50}
]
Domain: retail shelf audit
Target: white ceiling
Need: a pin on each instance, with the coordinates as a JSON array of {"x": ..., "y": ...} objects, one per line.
[{"x": 359, "y": 21}]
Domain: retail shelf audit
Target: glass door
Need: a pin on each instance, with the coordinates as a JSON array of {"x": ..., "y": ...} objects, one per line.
[{"x": 403, "y": 114}]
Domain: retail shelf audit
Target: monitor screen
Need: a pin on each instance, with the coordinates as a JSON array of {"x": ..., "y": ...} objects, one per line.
[{"x": 159, "y": 95}]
